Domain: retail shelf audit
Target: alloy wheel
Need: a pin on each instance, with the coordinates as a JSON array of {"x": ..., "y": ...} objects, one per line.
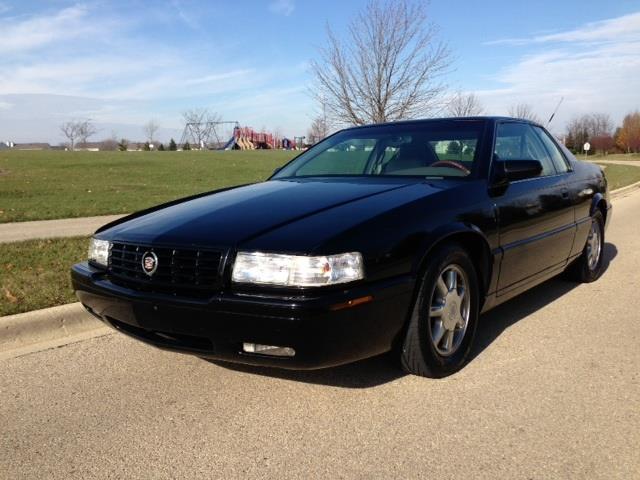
[
  {"x": 594, "y": 245},
  {"x": 449, "y": 310}
]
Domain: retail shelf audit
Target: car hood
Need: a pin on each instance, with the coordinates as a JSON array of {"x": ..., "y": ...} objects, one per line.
[{"x": 233, "y": 216}]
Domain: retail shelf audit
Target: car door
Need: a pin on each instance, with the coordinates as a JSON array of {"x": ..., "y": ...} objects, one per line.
[
  {"x": 535, "y": 215},
  {"x": 581, "y": 191}
]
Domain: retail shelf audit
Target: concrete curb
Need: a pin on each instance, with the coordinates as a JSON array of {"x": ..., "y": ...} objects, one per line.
[
  {"x": 20, "y": 331},
  {"x": 621, "y": 192}
]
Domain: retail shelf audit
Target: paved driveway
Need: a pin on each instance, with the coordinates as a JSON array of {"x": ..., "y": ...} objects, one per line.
[{"x": 553, "y": 392}]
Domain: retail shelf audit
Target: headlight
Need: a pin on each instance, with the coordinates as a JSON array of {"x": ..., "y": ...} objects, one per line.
[
  {"x": 99, "y": 252},
  {"x": 297, "y": 270}
]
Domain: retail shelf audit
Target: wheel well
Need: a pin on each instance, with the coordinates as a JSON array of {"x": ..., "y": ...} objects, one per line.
[
  {"x": 479, "y": 252},
  {"x": 602, "y": 206}
]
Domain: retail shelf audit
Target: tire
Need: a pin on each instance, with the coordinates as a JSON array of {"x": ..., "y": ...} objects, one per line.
[
  {"x": 586, "y": 269},
  {"x": 422, "y": 353}
]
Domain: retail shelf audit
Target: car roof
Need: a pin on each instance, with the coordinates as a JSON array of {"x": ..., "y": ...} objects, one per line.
[{"x": 485, "y": 118}]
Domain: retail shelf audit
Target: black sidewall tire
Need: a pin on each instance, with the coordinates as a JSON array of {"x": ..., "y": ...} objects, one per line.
[
  {"x": 581, "y": 271},
  {"x": 419, "y": 355}
]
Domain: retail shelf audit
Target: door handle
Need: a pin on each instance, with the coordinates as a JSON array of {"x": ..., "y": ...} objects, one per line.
[{"x": 565, "y": 193}]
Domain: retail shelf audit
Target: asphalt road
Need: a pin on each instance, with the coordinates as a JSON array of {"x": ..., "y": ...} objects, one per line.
[{"x": 553, "y": 392}]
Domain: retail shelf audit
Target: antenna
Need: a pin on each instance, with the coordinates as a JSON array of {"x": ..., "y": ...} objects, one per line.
[{"x": 555, "y": 111}]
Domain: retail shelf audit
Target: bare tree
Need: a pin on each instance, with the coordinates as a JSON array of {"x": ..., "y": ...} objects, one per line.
[
  {"x": 389, "y": 68},
  {"x": 150, "y": 129},
  {"x": 199, "y": 126},
  {"x": 78, "y": 132},
  {"x": 524, "y": 111},
  {"x": 596, "y": 128},
  {"x": 318, "y": 130},
  {"x": 85, "y": 130},
  {"x": 464, "y": 105},
  {"x": 70, "y": 131}
]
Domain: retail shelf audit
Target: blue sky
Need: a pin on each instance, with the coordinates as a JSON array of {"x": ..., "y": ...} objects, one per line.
[{"x": 122, "y": 63}]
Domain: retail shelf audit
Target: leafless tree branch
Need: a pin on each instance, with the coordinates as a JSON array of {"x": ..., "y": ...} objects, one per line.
[
  {"x": 464, "y": 105},
  {"x": 524, "y": 111},
  {"x": 150, "y": 129},
  {"x": 388, "y": 68}
]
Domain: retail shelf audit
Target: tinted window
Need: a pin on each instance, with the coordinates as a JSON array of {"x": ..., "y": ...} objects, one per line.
[
  {"x": 518, "y": 141},
  {"x": 557, "y": 158},
  {"x": 344, "y": 158},
  {"x": 430, "y": 149}
]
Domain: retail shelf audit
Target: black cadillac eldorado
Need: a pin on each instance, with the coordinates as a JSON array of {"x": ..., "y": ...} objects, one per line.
[{"x": 391, "y": 237}]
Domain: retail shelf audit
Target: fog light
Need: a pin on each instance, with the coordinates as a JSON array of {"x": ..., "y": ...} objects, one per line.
[{"x": 268, "y": 350}]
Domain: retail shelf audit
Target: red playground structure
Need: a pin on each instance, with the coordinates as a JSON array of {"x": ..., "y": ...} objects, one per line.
[{"x": 246, "y": 138}]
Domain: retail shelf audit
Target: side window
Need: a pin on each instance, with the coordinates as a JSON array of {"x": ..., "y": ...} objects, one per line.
[
  {"x": 518, "y": 141},
  {"x": 556, "y": 156}
]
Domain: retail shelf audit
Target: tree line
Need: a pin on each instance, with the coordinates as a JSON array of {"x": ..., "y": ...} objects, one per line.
[{"x": 598, "y": 129}]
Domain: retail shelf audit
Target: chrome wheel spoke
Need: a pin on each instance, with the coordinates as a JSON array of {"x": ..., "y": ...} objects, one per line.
[
  {"x": 438, "y": 333},
  {"x": 448, "y": 341},
  {"x": 452, "y": 280},
  {"x": 436, "y": 310},
  {"x": 441, "y": 286}
]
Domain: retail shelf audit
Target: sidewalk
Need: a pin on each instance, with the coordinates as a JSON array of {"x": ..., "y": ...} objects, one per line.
[{"x": 68, "y": 227}]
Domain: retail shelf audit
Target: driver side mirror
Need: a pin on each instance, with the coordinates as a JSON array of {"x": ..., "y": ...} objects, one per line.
[{"x": 505, "y": 171}]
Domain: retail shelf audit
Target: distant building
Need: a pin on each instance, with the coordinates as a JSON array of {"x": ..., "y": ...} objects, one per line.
[{"x": 32, "y": 146}]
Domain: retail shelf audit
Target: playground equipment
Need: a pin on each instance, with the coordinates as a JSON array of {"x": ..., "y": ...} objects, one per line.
[
  {"x": 229, "y": 135},
  {"x": 207, "y": 134},
  {"x": 246, "y": 138}
]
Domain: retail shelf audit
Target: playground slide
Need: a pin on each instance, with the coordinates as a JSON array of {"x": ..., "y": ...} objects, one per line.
[{"x": 229, "y": 145}]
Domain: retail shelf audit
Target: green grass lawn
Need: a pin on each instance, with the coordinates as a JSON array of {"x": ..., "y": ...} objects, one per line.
[
  {"x": 613, "y": 156},
  {"x": 40, "y": 185},
  {"x": 621, "y": 175},
  {"x": 35, "y": 274}
]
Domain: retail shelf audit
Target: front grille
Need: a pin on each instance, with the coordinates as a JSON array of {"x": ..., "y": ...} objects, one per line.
[{"x": 181, "y": 271}]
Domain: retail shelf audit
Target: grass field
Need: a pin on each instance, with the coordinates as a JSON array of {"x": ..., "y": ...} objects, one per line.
[
  {"x": 40, "y": 185},
  {"x": 621, "y": 175},
  {"x": 627, "y": 157},
  {"x": 35, "y": 274}
]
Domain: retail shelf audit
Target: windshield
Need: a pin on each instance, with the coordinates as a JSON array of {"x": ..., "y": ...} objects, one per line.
[{"x": 428, "y": 149}]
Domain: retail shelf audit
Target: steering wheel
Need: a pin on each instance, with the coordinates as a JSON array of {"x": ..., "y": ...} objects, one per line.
[{"x": 451, "y": 164}]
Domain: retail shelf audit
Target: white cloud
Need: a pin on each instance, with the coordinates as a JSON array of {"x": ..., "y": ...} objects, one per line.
[
  {"x": 595, "y": 68},
  {"x": 619, "y": 29},
  {"x": 4, "y": 8},
  {"x": 41, "y": 30},
  {"x": 282, "y": 7}
]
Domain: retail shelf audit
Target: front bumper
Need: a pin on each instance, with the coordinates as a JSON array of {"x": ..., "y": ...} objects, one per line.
[{"x": 216, "y": 328}]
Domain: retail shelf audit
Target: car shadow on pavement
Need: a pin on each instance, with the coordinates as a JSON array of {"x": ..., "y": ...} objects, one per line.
[
  {"x": 384, "y": 368},
  {"x": 366, "y": 373},
  {"x": 496, "y": 321}
]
